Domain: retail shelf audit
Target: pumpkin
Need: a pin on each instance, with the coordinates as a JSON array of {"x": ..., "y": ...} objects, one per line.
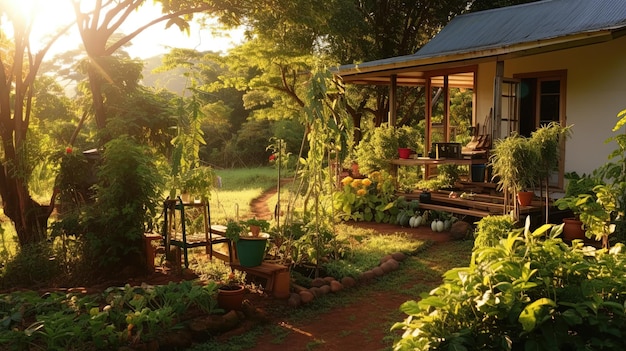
[
  {"x": 403, "y": 219},
  {"x": 440, "y": 226}
]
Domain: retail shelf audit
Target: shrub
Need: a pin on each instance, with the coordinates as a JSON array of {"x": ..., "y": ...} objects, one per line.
[
  {"x": 524, "y": 294},
  {"x": 491, "y": 229},
  {"x": 369, "y": 199}
]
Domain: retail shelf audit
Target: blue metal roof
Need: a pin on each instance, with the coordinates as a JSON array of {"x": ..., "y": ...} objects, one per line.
[
  {"x": 525, "y": 23},
  {"x": 539, "y": 25}
]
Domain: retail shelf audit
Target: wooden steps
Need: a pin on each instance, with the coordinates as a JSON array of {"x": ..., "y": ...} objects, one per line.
[{"x": 474, "y": 204}]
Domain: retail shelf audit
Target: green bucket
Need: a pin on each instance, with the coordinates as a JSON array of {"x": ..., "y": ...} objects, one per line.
[{"x": 251, "y": 251}]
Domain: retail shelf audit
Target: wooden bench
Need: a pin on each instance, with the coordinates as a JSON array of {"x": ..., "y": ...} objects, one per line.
[{"x": 266, "y": 270}]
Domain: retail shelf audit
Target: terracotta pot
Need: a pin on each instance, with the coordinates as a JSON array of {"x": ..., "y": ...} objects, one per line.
[
  {"x": 230, "y": 297},
  {"x": 255, "y": 230},
  {"x": 404, "y": 152},
  {"x": 525, "y": 198},
  {"x": 573, "y": 229}
]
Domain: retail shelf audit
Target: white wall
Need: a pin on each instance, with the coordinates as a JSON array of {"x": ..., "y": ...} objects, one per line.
[{"x": 596, "y": 92}]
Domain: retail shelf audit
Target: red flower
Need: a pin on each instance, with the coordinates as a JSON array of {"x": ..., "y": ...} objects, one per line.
[
  {"x": 272, "y": 157},
  {"x": 68, "y": 150}
]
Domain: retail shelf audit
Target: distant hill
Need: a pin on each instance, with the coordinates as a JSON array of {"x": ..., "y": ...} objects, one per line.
[{"x": 173, "y": 80}]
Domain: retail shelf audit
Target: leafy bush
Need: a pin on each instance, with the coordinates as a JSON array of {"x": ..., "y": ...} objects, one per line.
[
  {"x": 369, "y": 199},
  {"x": 525, "y": 293},
  {"x": 381, "y": 145},
  {"x": 490, "y": 230},
  {"x": 126, "y": 200},
  {"x": 33, "y": 265}
]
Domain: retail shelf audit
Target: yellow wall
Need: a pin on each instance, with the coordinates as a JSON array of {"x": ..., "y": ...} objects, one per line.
[{"x": 596, "y": 92}]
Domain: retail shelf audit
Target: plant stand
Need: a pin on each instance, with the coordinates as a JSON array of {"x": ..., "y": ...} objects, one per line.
[{"x": 175, "y": 230}]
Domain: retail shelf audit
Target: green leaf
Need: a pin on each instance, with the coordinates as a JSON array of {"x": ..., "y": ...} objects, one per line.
[
  {"x": 531, "y": 313},
  {"x": 411, "y": 308}
]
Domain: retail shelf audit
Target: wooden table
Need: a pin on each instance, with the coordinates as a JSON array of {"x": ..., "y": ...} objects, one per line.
[{"x": 427, "y": 161}]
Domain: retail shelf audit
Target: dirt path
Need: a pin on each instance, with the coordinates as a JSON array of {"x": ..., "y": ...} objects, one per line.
[{"x": 361, "y": 325}]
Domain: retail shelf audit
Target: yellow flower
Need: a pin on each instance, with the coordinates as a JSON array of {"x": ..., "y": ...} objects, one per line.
[
  {"x": 361, "y": 192},
  {"x": 356, "y": 183},
  {"x": 346, "y": 180},
  {"x": 367, "y": 182}
]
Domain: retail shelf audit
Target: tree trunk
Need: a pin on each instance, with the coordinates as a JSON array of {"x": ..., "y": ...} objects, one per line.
[
  {"x": 95, "y": 85},
  {"x": 29, "y": 217}
]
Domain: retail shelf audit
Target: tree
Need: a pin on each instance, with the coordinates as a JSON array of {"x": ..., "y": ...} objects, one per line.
[
  {"x": 19, "y": 66},
  {"x": 98, "y": 25},
  {"x": 18, "y": 70}
]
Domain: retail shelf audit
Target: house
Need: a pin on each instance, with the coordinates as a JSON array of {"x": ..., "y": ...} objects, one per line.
[{"x": 552, "y": 60}]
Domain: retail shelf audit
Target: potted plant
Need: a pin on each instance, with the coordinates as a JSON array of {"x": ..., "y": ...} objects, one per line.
[
  {"x": 197, "y": 182},
  {"x": 575, "y": 200},
  {"x": 404, "y": 141},
  {"x": 548, "y": 140},
  {"x": 250, "y": 249},
  {"x": 515, "y": 161},
  {"x": 256, "y": 226},
  {"x": 231, "y": 293}
]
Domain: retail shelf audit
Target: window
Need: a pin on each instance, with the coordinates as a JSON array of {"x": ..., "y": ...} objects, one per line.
[{"x": 542, "y": 100}]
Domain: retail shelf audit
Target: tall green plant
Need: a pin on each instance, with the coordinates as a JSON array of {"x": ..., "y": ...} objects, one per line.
[
  {"x": 327, "y": 134},
  {"x": 515, "y": 162},
  {"x": 614, "y": 174},
  {"x": 548, "y": 140},
  {"x": 127, "y": 197}
]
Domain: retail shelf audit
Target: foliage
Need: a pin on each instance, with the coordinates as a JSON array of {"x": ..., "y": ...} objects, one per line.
[
  {"x": 447, "y": 176},
  {"x": 280, "y": 157},
  {"x": 117, "y": 317},
  {"x": 614, "y": 174},
  {"x": 199, "y": 182},
  {"x": 217, "y": 271},
  {"x": 526, "y": 292},
  {"x": 33, "y": 265},
  {"x": 369, "y": 199},
  {"x": 263, "y": 224},
  {"x": 317, "y": 244},
  {"x": 514, "y": 161},
  {"x": 491, "y": 229},
  {"x": 547, "y": 140},
  {"x": 234, "y": 229},
  {"x": 125, "y": 202},
  {"x": 599, "y": 199},
  {"x": 599, "y": 211},
  {"x": 381, "y": 145}
]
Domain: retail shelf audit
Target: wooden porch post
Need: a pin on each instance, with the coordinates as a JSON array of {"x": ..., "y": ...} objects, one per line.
[
  {"x": 393, "y": 92},
  {"x": 429, "y": 111},
  {"x": 496, "y": 127},
  {"x": 446, "y": 108}
]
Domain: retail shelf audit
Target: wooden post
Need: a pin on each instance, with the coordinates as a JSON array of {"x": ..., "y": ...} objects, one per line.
[{"x": 393, "y": 92}]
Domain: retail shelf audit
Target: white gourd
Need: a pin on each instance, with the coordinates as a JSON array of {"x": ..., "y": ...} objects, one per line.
[
  {"x": 439, "y": 226},
  {"x": 433, "y": 225}
]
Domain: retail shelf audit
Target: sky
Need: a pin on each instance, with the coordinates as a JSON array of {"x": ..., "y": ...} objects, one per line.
[{"x": 153, "y": 41}]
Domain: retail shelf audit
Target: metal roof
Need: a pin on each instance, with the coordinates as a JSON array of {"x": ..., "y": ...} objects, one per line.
[{"x": 515, "y": 30}]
